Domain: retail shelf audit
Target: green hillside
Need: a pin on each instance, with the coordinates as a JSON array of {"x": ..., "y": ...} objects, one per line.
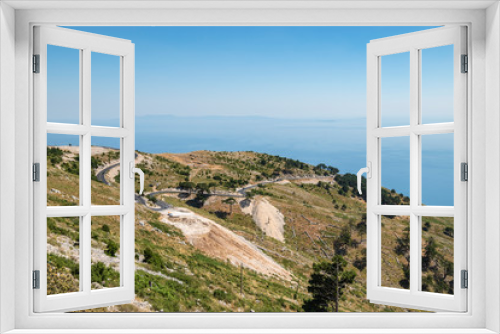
[{"x": 175, "y": 272}]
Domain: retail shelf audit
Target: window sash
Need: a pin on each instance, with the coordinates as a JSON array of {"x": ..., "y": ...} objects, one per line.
[
  {"x": 86, "y": 43},
  {"x": 413, "y": 43}
]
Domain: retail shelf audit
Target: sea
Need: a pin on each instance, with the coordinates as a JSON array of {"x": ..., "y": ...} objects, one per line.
[{"x": 340, "y": 143}]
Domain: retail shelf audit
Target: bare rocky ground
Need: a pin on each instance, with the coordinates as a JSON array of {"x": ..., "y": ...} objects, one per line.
[
  {"x": 267, "y": 217},
  {"x": 220, "y": 242}
]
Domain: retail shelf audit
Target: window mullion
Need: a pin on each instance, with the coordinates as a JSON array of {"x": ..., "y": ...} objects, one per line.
[
  {"x": 415, "y": 168},
  {"x": 85, "y": 173}
]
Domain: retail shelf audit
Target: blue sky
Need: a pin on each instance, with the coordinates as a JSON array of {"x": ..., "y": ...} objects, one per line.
[
  {"x": 300, "y": 72},
  {"x": 292, "y": 73}
]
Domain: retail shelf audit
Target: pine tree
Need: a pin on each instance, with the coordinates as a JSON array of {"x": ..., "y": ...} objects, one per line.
[
  {"x": 403, "y": 249},
  {"x": 327, "y": 284}
]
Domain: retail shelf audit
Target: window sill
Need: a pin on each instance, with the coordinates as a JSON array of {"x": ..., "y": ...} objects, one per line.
[{"x": 251, "y": 331}]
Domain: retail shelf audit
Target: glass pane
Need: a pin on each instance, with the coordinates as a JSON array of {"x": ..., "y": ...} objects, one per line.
[
  {"x": 105, "y": 90},
  {"x": 105, "y": 269},
  {"x": 395, "y": 89},
  {"x": 63, "y": 255},
  {"x": 63, "y": 170},
  {"x": 63, "y": 85},
  {"x": 437, "y": 254},
  {"x": 437, "y": 169},
  {"x": 395, "y": 266},
  {"x": 437, "y": 84},
  {"x": 105, "y": 171},
  {"x": 395, "y": 171}
]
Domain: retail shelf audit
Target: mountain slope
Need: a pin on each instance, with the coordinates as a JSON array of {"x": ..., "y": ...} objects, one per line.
[{"x": 203, "y": 264}]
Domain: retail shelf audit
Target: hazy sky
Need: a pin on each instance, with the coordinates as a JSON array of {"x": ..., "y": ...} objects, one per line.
[{"x": 292, "y": 72}]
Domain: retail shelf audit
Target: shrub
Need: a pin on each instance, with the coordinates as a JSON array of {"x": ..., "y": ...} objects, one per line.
[
  {"x": 71, "y": 167},
  {"x": 219, "y": 294},
  {"x": 112, "y": 248},
  {"x": 105, "y": 228},
  {"x": 104, "y": 275},
  {"x": 449, "y": 231},
  {"x": 54, "y": 155},
  {"x": 223, "y": 295},
  {"x": 186, "y": 185},
  {"x": 95, "y": 162},
  {"x": 153, "y": 259},
  {"x": 62, "y": 262}
]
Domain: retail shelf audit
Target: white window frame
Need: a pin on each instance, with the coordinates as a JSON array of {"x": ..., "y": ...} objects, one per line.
[
  {"x": 484, "y": 153},
  {"x": 414, "y": 43},
  {"x": 86, "y": 44}
]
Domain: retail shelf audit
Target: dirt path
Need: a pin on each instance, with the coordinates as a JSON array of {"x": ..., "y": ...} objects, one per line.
[
  {"x": 220, "y": 242},
  {"x": 267, "y": 217}
]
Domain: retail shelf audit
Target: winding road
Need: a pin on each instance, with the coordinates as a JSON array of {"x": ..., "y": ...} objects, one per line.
[
  {"x": 101, "y": 176},
  {"x": 240, "y": 193},
  {"x": 162, "y": 205}
]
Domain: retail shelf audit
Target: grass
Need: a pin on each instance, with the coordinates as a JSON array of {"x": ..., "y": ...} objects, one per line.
[{"x": 211, "y": 285}]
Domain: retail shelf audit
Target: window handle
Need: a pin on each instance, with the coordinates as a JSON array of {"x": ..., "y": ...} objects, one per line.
[
  {"x": 134, "y": 170},
  {"x": 368, "y": 171}
]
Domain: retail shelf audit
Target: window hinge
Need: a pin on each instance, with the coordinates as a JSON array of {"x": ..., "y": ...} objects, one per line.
[
  {"x": 36, "y": 172},
  {"x": 36, "y": 279},
  {"x": 465, "y": 279},
  {"x": 465, "y": 64},
  {"x": 36, "y": 63},
  {"x": 464, "y": 171}
]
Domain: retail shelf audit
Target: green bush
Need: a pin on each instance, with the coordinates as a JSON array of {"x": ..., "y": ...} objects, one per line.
[
  {"x": 153, "y": 259},
  {"x": 71, "y": 167},
  {"x": 104, "y": 275},
  {"x": 219, "y": 294},
  {"x": 112, "y": 248},
  {"x": 54, "y": 155},
  {"x": 95, "y": 162},
  {"x": 105, "y": 228},
  {"x": 62, "y": 262},
  {"x": 223, "y": 295},
  {"x": 448, "y": 231}
]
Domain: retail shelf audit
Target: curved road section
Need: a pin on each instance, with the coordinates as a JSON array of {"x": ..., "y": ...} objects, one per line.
[{"x": 101, "y": 176}]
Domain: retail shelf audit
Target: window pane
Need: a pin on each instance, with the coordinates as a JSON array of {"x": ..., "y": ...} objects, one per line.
[
  {"x": 105, "y": 90},
  {"x": 105, "y": 269},
  {"x": 63, "y": 85},
  {"x": 63, "y": 255},
  {"x": 105, "y": 171},
  {"x": 437, "y": 169},
  {"x": 437, "y": 254},
  {"x": 395, "y": 171},
  {"x": 395, "y": 242},
  {"x": 437, "y": 84},
  {"x": 63, "y": 170},
  {"x": 395, "y": 89}
]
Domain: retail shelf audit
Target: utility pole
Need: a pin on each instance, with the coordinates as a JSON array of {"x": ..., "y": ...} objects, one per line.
[{"x": 337, "y": 281}]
